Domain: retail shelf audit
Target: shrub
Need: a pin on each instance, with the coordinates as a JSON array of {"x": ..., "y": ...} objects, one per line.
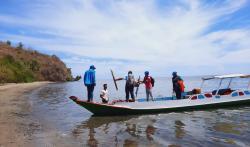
[
  {"x": 8, "y": 42},
  {"x": 34, "y": 65},
  {"x": 77, "y": 78}
]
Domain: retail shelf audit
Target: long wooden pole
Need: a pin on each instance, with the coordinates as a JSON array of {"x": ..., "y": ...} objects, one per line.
[
  {"x": 137, "y": 88},
  {"x": 113, "y": 76}
]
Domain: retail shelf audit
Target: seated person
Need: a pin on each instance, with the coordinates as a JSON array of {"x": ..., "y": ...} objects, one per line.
[{"x": 104, "y": 94}]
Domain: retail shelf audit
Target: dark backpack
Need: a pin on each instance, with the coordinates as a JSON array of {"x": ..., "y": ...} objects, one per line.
[
  {"x": 152, "y": 81},
  {"x": 130, "y": 81}
]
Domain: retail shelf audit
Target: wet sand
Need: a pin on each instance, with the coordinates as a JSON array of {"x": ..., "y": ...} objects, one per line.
[{"x": 16, "y": 125}]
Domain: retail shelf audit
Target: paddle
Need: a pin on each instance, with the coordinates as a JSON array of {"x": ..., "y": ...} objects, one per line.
[
  {"x": 112, "y": 73},
  {"x": 137, "y": 88}
]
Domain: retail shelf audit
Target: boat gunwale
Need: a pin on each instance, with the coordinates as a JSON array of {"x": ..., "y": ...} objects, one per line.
[{"x": 130, "y": 111}]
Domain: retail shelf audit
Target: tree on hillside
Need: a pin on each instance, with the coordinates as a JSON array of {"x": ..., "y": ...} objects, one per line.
[
  {"x": 55, "y": 57},
  {"x": 34, "y": 65},
  {"x": 69, "y": 75},
  {"x": 20, "y": 45},
  {"x": 8, "y": 42}
]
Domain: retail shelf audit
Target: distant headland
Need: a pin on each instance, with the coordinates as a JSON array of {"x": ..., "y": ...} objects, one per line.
[{"x": 19, "y": 64}]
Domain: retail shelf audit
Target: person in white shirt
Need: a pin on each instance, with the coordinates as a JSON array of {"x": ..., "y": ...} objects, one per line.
[{"x": 104, "y": 94}]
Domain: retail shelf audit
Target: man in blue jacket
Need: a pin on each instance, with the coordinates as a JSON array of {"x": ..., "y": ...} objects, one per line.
[{"x": 89, "y": 82}]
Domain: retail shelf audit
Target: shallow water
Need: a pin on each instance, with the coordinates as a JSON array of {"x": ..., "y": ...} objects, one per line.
[{"x": 74, "y": 126}]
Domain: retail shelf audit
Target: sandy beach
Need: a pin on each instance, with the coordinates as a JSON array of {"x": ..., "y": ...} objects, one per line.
[{"x": 15, "y": 123}]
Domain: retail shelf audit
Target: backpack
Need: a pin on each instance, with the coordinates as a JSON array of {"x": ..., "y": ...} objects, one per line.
[
  {"x": 152, "y": 81},
  {"x": 130, "y": 80},
  {"x": 181, "y": 85}
]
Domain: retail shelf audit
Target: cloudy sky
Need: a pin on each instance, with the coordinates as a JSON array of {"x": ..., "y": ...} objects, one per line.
[{"x": 189, "y": 36}]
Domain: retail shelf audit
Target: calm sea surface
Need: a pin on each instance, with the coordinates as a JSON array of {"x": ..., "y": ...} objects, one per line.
[{"x": 75, "y": 126}]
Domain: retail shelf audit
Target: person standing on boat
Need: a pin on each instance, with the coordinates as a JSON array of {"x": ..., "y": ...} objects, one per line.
[
  {"x": 90, "y": 82},
  {"x": 104, "y": 94},
  {"x": 129, "y": 86},
  {"x": 149, "y": 84},
  {"x": 178, "y": 85}
]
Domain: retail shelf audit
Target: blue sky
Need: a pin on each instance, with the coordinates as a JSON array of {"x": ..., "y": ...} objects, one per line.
[{"x": 189, "y": 36}]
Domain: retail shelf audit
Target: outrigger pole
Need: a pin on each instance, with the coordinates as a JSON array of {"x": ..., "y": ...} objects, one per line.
[
  {"x": 113, "y": 76},
  {"x": 219, "y": 87},
  {"x": 203, "y": 81},
  {"x": 230, "y": 82},
  {"x": 137, "y": 88}
]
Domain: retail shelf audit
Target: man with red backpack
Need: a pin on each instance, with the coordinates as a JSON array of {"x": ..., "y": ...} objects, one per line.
[
  {"x": 149, "y": 84},
  {"x": 178, "y": 85}
]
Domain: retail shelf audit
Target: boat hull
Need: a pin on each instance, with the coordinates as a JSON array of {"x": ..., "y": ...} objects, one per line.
[{"x": 109, "y": 110}]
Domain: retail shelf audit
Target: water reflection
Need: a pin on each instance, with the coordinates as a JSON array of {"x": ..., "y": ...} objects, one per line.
[
  {"x": 92, "y": 141},
  {"x": 52, "y": 95},
  {"x": 175, "y": 130},
  {"x": 125, "y": 130},
  {"x": 131, "y": 129},
  {"x": 96, "y": 122},
  {"x": 150, "y": 131},
  {"x": 226, "y": 128},
  {"x": 130, "y": 143},
  {"x": 179, "y": 129}
]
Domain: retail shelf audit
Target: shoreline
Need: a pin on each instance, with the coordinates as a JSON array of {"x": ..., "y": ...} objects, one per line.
[{"x": 16, "y": 124}]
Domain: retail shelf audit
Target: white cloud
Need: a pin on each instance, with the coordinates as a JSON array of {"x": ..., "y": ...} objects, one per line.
[{"x": 158, "y": 36}]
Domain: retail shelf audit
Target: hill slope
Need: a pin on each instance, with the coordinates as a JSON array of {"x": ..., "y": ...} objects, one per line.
[{"x": 22, "y": 65}]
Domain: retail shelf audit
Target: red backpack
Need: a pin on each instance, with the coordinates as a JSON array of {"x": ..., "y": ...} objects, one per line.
[
  {"x": 181, "y": 84},
  {"x": 152, "y": 80}
]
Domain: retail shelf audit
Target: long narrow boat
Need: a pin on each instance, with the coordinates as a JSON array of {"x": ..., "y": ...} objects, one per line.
[{"x": 219, "y": 98}]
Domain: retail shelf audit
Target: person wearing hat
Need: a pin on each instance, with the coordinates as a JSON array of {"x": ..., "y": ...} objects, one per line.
[
  {"x": 90, "y": 82},
  {"x": 178, "y": 88},
  {"x": 149, "y": 84},
  {"x": 129, "y": 86}
]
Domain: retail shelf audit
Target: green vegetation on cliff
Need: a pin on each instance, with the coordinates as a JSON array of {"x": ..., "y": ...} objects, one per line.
[
  {"x": 23, "y": 65},
  {"x": 14, "y": 71}
]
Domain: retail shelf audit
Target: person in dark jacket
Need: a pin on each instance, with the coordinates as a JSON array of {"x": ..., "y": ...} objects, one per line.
[
  {"x": 90, "y": 82},
  {"x": 176, "y": 86},
  {"x": 129, "y": 86}
]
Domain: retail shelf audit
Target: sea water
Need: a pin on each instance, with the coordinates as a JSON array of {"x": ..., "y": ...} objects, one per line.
[{"x": 71, "y": 125}]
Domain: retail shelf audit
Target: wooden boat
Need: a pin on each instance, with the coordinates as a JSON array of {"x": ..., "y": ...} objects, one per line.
[{"x": 195, "y": 101}]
